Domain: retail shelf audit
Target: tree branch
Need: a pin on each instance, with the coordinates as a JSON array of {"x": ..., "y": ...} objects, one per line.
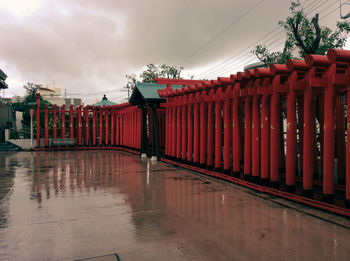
[
  {"x": 300, "y": 43},
  {"x": 317, "y": 40},
  {"x": 261, "y": 59}
]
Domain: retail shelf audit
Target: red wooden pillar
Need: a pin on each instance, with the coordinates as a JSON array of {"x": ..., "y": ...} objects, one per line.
[
  {"x": 38, "y": 119},
  {"x": 107, "y": 126},
  {"x": 173, "y": 130},
  {"x": 133, "y": 126},
  {"x": 256, "y": 137},
  {"x": 126, "y": 128},
  {"x": 291, "y": 140},
  {"x": 184, "y": 132},
  {"x": 54, "y": 121},
  {"x": 309, "y": 132},
  {"x": 275, "y": 138},
  {"x": 278, "y": 85},
  {"x": 236, "y": 141},
  {"x": 78, "y": 115},
  {"x": 63, "y": 121},
  {"x": 139, "y": 129},
  {"x": 170, "y": 126},
  {"x": 298, "y": 68},
  {"x": 189, "y": 131},
  {"x": 94, "y": 126},
  {"x": 117, "y": 138},
  {"x": 46, "y": 126},
  {"x": 265, "y": 139},
  {"x": 264, "y": 90},
  {"x": 167, "y": 127},
  {"x": 336, "y": 56},
  {"x": 347, "y": 178},
  {"x": 178, "y": 129},
  {"x": 227, "y": 131},
  {"x": 121, "y": 129},
  {"x": 71, "y": 122},
  {"x": 100, "y": 109},
  {"x": 329, "y": 141},
  {"x": 112, "y": 127},
  {"x": 301, "y": 130},
  {"x": 136, "y": 129},
  {"x": 218, "y": 135},
  {"x": 87, "y": 130},
  {"x": 203, "y": 130},
  {"x": 196, "y": 131},
  {"x": 340, "y": 140},
  {"x": 210, "y": 141},
  {"x": 248, "y": 137}
]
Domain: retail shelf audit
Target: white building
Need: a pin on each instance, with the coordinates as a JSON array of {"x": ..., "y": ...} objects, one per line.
[{"x": 52, "y": 95}]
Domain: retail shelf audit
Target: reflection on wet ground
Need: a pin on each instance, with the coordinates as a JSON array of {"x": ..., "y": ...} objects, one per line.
[{"x": 74, "y": 205}]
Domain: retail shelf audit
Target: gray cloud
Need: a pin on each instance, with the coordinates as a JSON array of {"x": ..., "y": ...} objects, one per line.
[{"x": 88, "y": 46}]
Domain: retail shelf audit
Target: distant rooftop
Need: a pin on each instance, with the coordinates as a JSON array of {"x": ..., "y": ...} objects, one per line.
[{"x": 104, "y": 102}]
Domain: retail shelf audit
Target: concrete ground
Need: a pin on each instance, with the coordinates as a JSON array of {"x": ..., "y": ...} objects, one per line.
[{"x": 76, "y": 205}]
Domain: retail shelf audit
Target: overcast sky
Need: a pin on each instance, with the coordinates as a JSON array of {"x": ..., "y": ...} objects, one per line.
[{"x": 87, "y": 46}]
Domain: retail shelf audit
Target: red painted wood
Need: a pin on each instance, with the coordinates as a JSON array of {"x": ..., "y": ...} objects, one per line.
[
  {"x": 189, "y": 133},
  {"x": 71, "y": 121},
  {"x": 184, "y": 132},
  {"x": 210, "y": 138},
  {"x": 218, "y": 134},
  {"x": 63, "y": 121},
  {"x": 265, "y": 137},
  {"x": 291, "y": 156},
  {"x": 227, "y": 134},
  {"x": 54, "y": 121},
  {"x": 236, "y": 141},
  {"x": 275, "y": 137},
  {"x": 256, "y": 136},
  {"x": 46, "y": 125},
  {"x": 203, "y": 132},
  {"x": 196, "y": 133},
  {"x": 248, "y": 136}
]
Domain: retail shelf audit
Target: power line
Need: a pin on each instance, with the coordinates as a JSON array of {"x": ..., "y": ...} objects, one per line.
[
  {"x": 249, "y": 59},
  {"x": 221, "y": 67},
  {"x": 237, "y": 58},
  {"x": 222, "y": 31},
  {"x": 251, "y": 45}
]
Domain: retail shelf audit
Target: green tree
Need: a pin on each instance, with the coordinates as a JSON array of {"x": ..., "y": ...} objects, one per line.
[
  {"x": 153, "y": 71},
  {"x": 130, "y": 84},
  {"x": 29, "y": 101},
  {"x": 304, "y": 36}
]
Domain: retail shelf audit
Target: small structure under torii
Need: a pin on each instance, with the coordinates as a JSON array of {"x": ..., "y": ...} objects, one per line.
[{"x": 145, "y": 95}]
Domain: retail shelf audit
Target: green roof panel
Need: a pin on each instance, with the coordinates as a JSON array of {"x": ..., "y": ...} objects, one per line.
[
  {"x": 104, "y": 102},
  {"x": 146, "y": 92}
]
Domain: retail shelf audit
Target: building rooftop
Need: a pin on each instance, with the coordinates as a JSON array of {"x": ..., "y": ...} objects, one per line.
[
  {"x": 148, "y": 93},
  {"x": 104, "y": 102}
]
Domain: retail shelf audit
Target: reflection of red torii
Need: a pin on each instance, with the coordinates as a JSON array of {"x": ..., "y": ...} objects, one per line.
[{"x": 170, "y": 82}]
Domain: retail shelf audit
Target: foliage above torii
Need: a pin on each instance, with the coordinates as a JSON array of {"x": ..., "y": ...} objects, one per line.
[
  {"x": 151, "y": 72},
  {"x": 304, "y": 36}
]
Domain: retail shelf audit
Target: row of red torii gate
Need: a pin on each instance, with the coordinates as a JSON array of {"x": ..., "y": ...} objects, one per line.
[{"x": 282, "y": 130}]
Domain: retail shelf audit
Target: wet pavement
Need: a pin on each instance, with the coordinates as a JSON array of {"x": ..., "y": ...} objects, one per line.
[{"x": 76, "y": 205}]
